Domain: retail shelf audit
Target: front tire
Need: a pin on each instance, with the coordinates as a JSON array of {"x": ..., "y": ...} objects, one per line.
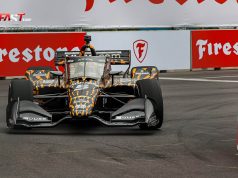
[
  {"x": 21, "y": 89},
  {"x": 150, "y": 88}
]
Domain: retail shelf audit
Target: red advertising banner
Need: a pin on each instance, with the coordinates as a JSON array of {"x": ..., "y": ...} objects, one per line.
[
  {"x": 19, "y": 51},
  {"x": 214, "y": 48}
]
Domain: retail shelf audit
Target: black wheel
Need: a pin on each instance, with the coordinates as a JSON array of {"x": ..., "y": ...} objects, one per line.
[
  {"x": 151, "y": 88},
  {"x": 21, "y": 89}
]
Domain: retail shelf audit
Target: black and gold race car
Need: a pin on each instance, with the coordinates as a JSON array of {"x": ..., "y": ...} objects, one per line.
[{"x": 87, "y": 89}]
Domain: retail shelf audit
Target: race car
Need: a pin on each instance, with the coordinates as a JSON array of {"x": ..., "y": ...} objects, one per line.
[{"x": 87, "y": 89}]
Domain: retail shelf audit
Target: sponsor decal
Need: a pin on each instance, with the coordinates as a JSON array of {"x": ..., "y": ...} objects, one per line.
[
  {"x": 19, "y": 51},
  {"x": 48, "y": 81},
  {"x": 82, "y": 106},
  {"x": 113, "y": 54},
  {"x": 78, "y": 101},
  {"x": 210, "y": 48},
  {"x": 214, "y": 48},
  {"x": 140, "y": 48},
  {"x": 35, "y": 119},
  {"x": 142, "y": 73},
  {"x": 40, "y": 74},
  {"x": 70, "y": 61},
  {"x": 127, "y": 117},
  {"x": 29, "y": 54},
  {"x": 9, "y": 17},
  {"x": 84, "y": 101},
  {"x": 90, "y": 3},
  {"x": 81, "y": 87}
]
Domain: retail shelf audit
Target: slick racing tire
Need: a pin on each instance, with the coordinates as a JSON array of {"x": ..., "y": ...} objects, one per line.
[
  {"x": 151, "y": 89},
  {"x": 21, "y": 89}
]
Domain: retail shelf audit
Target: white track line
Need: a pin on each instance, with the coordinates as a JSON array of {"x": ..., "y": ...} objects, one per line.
[
  {"x": 198, "y": 80},
  {"x": 223, "y": 167},
  {"x": 175, "y": 144},
  {"x": 228, "y": 140},
  {"x": 231, "y": 76}
]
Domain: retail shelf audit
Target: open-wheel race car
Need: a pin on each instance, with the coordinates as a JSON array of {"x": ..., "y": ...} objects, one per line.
[{"x": 87, "y": 89}]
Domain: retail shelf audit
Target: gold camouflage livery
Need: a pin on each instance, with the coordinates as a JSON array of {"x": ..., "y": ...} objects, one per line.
[
  {"x": 42, "y": 79},
  {"x": 137, "y": 73},
  {"x": 83, "y": 92},
  {"x": 82, "y": 96},
  {"x": 147, "y": 72}
]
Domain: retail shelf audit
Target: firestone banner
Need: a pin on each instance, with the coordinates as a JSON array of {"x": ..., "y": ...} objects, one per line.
[
  {"x": 21, "y": 51},
  {"x": 118, "y": 13},
  {"x": 214, "y": 48}
]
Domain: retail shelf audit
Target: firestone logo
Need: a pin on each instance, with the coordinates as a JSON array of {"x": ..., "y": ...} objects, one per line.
[
  {"x": 8, "y": 17},
  {"x": 16, "y": 55},
  {"x": 140, "y": 48},
  {"x": 90, "y": 3},
  {"x": 215, "y": 48}
]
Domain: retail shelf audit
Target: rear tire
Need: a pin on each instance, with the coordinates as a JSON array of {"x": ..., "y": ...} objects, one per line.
[
  {"x": 21, "y": 89},
  {"x": 151, "y": 89}
]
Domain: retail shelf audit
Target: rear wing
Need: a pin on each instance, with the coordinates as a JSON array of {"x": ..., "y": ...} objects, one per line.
[
  {"x": 60, "y": 56},
  {"x": 117, "y": 57}
]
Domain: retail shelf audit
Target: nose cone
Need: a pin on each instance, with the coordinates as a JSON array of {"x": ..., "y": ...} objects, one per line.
[
  {"x": 82, "y": 97},
  {"x": 82, "y": 105}
]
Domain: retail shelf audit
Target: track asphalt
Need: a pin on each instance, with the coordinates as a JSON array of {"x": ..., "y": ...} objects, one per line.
[{"x": 198, "y": 138}]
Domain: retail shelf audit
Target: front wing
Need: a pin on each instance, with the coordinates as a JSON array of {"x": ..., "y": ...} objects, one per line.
[{"x": 136, "y": 111}]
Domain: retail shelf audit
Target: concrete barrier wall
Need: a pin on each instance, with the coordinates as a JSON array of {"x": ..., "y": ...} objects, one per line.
[{"x": 168, "y": 50}]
